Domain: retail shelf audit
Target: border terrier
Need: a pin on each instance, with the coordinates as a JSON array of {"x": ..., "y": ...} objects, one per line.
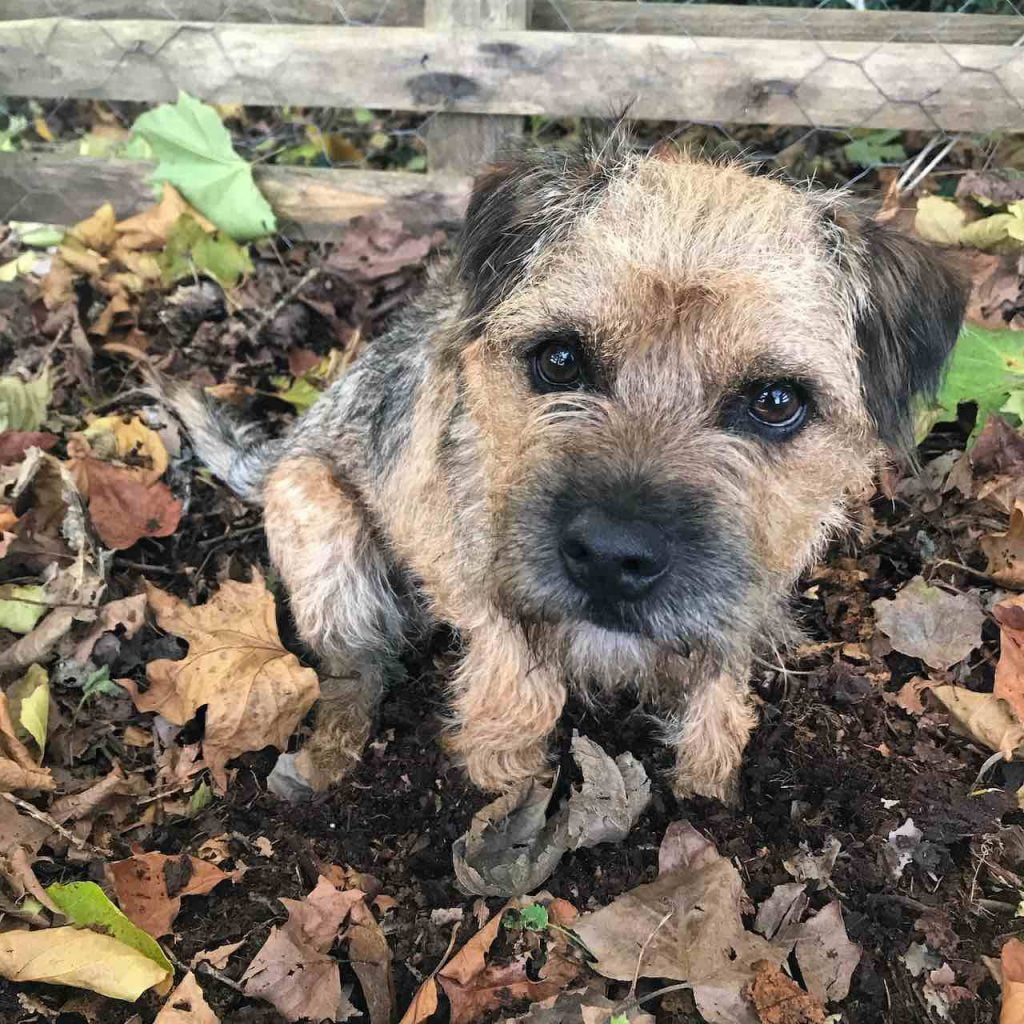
[{"x": 624, "y": 416}]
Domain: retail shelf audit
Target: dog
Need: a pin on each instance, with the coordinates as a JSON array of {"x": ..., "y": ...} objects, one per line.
[{"x": 634, "y": 404}]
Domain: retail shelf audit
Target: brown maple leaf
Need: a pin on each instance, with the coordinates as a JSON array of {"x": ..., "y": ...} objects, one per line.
[{"x": 255, "y": 692}]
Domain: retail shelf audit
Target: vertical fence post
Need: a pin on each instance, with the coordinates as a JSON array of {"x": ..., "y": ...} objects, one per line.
[{"x": 458, "y": 143}]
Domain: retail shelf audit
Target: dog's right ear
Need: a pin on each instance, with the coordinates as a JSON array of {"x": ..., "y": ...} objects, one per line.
[{"x": 518, "y": 208}]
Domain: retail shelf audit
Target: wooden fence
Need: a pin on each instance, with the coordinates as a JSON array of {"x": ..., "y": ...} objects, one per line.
[{"x": 479, "y": 66}]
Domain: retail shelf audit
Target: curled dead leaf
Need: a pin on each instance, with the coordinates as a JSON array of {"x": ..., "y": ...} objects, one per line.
[
  {"x": 18, "y": 769},
  {"x": 512, "y": 846},
  {"x": 1009, "y": 680}
]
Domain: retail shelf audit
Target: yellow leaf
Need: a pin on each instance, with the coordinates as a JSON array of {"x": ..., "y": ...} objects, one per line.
[
  {"x": 96, "y": 232},
  {"x": 42, "y": 128},
  {"x": 21, "y": 607},
  {"x": 128, "y": 440},
  {"x": 939, "y": 220},
  {"x": 983, "y": 717},
  {"x": 20, "y": 265},
  {"x": 78, "y": 957},
  {"x": 29, "y": 699},
  {"x": 150, "y": 228},
  {"x": 255, "y": 691},
  {"x": 988, "y": 232},
  {"x": 82, "y": 259}
]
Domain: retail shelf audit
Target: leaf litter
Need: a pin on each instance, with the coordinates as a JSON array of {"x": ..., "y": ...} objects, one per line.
[{"x": 890, "y": 721}]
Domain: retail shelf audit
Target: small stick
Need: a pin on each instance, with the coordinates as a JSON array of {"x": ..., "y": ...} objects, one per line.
[
  {"x": 310, "y": 275},
  {"x": 643, "y": 952},
  {"x": 42, "y": 816}
]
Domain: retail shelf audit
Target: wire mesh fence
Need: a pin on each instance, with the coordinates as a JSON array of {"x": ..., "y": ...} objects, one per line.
[{"x": 852, "y": 93}]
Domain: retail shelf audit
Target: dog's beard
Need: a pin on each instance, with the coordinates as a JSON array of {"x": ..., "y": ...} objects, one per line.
[{"x": 559, "y": 627}]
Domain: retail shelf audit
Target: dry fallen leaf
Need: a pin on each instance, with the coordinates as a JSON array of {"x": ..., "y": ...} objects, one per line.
[
  {"x": 1012, "y": 961},
  {"x": 150, "y": 887},
  {"x": 18, "y": 769},
  {"x": 424, "y": 1003},
  {"x": 1009, "y": 681},
  {"x": 370, "y": 957},
  {"x": 218, "y": 957},
  {"x": 123, "y": 509},
  {"x": 928, "y": 623},
  {"x": 150, "y": 228},
  {"x": 255, "y": 692},
  {"x": 474, "y": 987},
  {"x": 689, "y": 927},
  {"x": 806, "y": 866},
  {"x": 780, "y": 914},
  {"x": 126, "y": 613},
  {"x": 1005, "y": 551},
  {"x": 292, "y": 971},
  {"x": 125, "y": 439},
  {"x": 826, "y": 955},
  {"x": 512, "y": 846},
  {"x": 78, "y": 957},
  {"x": 983, "y": 717},
  {"x": 497, "y": 986},
  {"x": 186, "y": 1005},
  {"x": 20, "y": 839},
  {"x": 780, "y": 1000}
]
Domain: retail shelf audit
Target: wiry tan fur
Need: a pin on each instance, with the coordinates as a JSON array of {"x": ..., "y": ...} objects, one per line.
[{"x": 686, "y": 278}]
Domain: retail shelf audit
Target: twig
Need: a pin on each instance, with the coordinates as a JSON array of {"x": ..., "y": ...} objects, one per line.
[
  {"x": 212, "y": 542},
  {"x": 631, "y": 1002},
  {"x": 124, "y": 563},
  {"x": 204, "y": 968},
  {"x": 643, "y": 951},
  {"x": 448, "y": 952},
  {"x": 34, "y": 812},
  {"x": 256, "y": 329}
]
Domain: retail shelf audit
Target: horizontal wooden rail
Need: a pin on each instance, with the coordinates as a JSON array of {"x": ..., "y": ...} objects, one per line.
[
  {"x": 311, "y": 203},
  {"x": 754, "y": 22},
  {"x": 880, "y": 85}
]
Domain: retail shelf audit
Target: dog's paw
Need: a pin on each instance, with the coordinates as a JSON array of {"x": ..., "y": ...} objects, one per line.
[
  {"x": 497, "y": 771},
  {"x": 690, "y": 780}
]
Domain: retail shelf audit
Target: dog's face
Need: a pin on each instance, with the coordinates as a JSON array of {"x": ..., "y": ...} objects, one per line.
[{"x": 678, "y": 374}]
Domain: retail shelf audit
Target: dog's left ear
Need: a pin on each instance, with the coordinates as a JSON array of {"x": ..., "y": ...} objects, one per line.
[{"x": 910, "y": 304}]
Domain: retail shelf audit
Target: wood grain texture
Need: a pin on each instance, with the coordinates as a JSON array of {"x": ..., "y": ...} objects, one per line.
[
  {"x": 310, "y": 203},
  {"x": 753, "y": 22},
  {"x": 890, "y": 85},
  {"x": 460, "y": 143}
]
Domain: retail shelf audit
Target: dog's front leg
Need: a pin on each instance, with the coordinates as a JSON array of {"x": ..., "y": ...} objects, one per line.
[
  {"x": 344, "y": 608},
  {"x": 506, "y": 703},
  {"x": 710, "y": 737}
]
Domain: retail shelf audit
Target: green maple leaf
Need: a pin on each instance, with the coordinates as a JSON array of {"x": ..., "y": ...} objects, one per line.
[
  {"x": 987, "y": 368},
  {"x": 191, "y": 250},
  {"x": 194, "y": 153}
]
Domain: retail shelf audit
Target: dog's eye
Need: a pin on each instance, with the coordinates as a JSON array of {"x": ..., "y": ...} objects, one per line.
[
  {"x": 558, "y": 365},
  {"x": 780, "y": 405}
]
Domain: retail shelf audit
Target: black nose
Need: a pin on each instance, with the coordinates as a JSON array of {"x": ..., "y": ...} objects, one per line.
[{"x": 613, "y": 559}]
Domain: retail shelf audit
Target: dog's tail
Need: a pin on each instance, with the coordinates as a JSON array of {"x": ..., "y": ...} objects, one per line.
[{"x": 234, "y": 451}]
